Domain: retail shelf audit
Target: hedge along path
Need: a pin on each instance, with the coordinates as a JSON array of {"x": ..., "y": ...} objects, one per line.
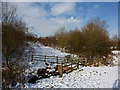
[{"x": 64, "y": 65}]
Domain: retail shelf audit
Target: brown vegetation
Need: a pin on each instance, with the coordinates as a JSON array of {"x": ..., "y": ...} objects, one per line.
[
  {"x": 91, "y": 41},
  {"x": 14, "y": 41}
]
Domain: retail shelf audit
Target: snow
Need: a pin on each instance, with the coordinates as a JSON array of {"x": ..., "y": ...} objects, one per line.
[
  {"x": 116, "y": 56},
  {"x": 115, "y": 52},
  {"x": 84, "y": 77},
  {"x": 45, "y": 50}
]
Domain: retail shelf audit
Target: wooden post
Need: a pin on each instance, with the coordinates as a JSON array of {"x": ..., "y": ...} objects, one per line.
[
  {"x": 86, "y": 61},
  {"x": 71, "y": 65},
  {"x": 57, "y": 59},
  {"x": 60, "y": 69},
  {"x": 78, "y": 65},
  {"x": 31, "y": 58},
  {"x": 64, "y": 60}
]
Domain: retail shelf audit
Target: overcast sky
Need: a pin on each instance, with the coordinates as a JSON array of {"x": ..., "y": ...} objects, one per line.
[{"x": 45, "y": 18}]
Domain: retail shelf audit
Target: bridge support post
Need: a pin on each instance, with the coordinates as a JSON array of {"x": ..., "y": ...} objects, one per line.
[{"x": 60, "y": 69}]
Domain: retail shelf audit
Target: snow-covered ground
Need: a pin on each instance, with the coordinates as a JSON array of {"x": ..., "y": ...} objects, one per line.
[
  {"x": 84, "y": 77},
  {"x": 116, "y": 56}
]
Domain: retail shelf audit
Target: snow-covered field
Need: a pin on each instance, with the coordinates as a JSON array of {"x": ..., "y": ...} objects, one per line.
[{"x": 84, "y": 77}]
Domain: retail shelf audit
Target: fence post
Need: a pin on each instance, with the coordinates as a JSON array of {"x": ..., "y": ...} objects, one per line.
[
  {"x": 78, "y": 65},
  {"x": 57, "y": 59},
  {"x": 62, "y": 69},
  {"x": 31, "y": 58},
  {"x": 71, "y": 66}
]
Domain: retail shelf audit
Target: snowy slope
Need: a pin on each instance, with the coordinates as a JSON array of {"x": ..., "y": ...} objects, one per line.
[{"x": 85, "y": 77}]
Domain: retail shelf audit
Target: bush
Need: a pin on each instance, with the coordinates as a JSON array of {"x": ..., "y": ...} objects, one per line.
[
  {"x": 96, "y": 39},
  {"x": 13, "y": 45},
  {"x": 92, "y": 41}
]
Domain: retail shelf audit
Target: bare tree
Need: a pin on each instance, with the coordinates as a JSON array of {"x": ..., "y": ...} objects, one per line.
[
  {"x": 96, "y": 38},
  {"x": 92, "y": 41},
  {"x": 13, "y": 45}
]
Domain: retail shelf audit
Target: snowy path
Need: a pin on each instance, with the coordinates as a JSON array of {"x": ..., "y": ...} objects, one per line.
[
  {"x": 85, "y": 77},
  {"x": 45, "y": 50}
]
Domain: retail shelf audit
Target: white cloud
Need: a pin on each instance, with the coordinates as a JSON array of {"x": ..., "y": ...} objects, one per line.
[
  {"x": 63, "y": 8},
  {"x": 28, "y": 10},
  {"x": 49, "y": 26},
  {"x": 36, "y": 17}
]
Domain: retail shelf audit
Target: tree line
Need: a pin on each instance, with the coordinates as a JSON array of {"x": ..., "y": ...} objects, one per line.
[{"x": 91, "y": 41}]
